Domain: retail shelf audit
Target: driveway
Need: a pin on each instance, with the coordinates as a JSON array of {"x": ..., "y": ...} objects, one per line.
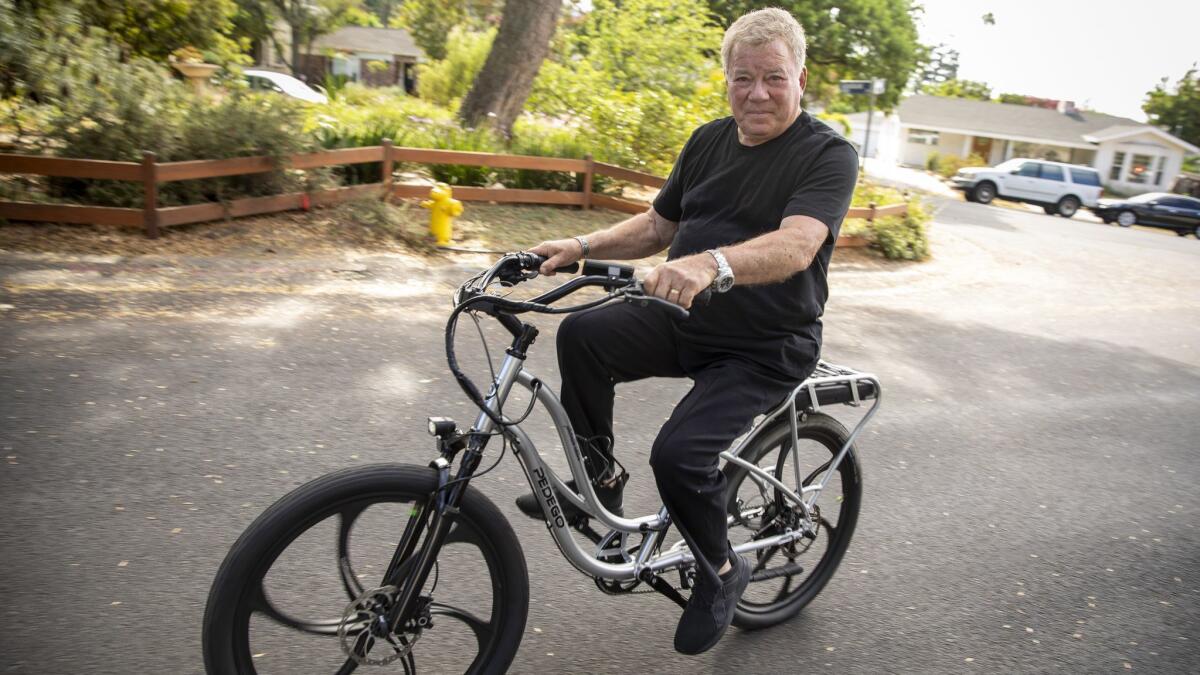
[{"x": 1030, "y": 500}]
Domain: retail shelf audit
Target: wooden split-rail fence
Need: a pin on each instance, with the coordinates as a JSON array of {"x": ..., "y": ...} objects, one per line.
[{"x": 151, "y": 173}]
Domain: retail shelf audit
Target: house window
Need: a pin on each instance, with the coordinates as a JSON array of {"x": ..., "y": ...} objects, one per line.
[
  {"x": 1139, "y": 169},
  {"x": 922, "y": 136},
  {"x": 1159, "y": 171},
  {"x": 1118, "y": 162}
]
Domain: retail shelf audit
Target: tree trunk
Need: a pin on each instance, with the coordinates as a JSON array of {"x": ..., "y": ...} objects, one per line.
[
  {"x": 506, "y": 79},
  {"x": 295, "y": 64}
]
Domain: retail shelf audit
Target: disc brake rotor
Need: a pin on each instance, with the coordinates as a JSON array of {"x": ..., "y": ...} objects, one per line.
[{"x": 364, "y": 623}]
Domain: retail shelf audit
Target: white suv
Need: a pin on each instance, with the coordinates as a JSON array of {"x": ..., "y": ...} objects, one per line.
[{"x": 1056, "y": 187}]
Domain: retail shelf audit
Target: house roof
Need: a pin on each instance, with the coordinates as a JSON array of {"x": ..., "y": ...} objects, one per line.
[
  {"x": 1078, "y": 128},
  {"x": 374, "y": 40},
  {"x": 1115, "y": 132}
]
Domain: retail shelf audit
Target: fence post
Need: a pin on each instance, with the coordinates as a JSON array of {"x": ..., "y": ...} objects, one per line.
[
  {"x": 150, "y": 189},
  {"x": 387, "y": 169},
  {"x": 587, "y": 182},
  {"x": 871, "y": 215}
]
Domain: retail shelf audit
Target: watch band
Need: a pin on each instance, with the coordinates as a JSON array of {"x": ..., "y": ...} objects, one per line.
[
  {"x": 583, "y": 244},
  {"x": 724, "y": 279}
]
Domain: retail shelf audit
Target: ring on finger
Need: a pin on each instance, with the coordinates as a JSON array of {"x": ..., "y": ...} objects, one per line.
[{"x": 674, "y": 290}]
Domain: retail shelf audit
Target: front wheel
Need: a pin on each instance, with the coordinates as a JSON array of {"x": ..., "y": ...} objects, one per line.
[
  {"x": 307, "y": 586},
  {"x": 1126, "y": 218},
  {"x": 800, "y": 570},
  {"x": 984, "y": 193}
]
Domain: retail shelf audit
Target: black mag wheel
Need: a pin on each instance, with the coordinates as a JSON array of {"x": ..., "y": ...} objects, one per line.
[
  {"x": 800, "y": 570},
  {"x": 302, "y": 590}
]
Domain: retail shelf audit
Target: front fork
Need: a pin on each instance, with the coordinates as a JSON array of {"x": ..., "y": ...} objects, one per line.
[{"x": 438, "y": 512}]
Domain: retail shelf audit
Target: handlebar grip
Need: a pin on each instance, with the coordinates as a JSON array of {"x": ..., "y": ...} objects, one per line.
[
  {"x": 533, "y": 261},
  {"x": 703, "y": 298}
]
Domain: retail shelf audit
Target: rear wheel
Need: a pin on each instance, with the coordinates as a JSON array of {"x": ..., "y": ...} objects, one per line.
[
  {"x": 1050, "y": 209},
  {"x": 306, "y": 587},
  {"x": 1067, "y": 206},
  {"x": 984, "y": 193},
  {"x": 805, "y": 566}
]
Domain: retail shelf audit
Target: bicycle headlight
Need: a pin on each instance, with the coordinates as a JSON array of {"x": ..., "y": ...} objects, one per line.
[{"x": 441, "y": 426}]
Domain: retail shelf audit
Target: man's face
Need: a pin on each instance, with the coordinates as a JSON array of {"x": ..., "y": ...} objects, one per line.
[{"x": 764, "y": 90}]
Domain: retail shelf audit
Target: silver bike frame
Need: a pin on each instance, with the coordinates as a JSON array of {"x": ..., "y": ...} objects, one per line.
[{"x": 548, "y": 486}]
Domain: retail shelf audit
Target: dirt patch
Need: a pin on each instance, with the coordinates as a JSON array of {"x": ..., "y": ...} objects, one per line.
[{"x": 354, "y": 227}]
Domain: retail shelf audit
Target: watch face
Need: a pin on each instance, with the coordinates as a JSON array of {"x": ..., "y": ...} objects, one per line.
[{"x": 724, "y": 283}]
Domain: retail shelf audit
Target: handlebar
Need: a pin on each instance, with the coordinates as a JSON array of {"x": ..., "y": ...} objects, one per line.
[{"x": 617, "y": 278}]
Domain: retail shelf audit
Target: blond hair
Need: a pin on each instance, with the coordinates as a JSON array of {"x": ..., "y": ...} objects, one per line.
[{"x": 762, "y": 26}]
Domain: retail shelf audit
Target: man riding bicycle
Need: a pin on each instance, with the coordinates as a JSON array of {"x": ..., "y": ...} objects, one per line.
[{"x": 751, "y": 210}]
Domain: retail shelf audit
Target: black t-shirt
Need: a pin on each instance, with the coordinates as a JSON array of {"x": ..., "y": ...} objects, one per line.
[{"x": 722, "y": 193}]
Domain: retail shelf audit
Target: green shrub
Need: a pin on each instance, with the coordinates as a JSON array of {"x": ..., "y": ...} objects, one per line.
[
  {"x": 948, "y": 165},
  {"x": 453, "y": 137},
  {"x": 240, "y": 125},
  {"x": 933, "y": 161},
  {"x": 896, "y": 237}
]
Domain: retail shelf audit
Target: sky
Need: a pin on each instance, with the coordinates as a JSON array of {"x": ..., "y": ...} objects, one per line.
[{"x": 1103, "y": 54}]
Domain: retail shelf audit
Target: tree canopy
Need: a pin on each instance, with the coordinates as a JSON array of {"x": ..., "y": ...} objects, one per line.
[
  {"x": 1177, "y": 109},
  {"x": 956, "y": 88}
]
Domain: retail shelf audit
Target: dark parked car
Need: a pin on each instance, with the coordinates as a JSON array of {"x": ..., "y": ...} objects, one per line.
[{"x": 1155, "y": 209}]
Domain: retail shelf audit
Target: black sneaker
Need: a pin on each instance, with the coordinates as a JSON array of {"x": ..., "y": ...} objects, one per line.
[
  {"x": 610, "y": 497},
  {"x": 710, "y": 611}
]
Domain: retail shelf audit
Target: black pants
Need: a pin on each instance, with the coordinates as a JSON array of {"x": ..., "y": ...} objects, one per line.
[{"x": 622, "y": 343}]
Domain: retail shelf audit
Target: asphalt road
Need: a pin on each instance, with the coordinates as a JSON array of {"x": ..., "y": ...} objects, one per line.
[{"x": 1030, "y": 500}]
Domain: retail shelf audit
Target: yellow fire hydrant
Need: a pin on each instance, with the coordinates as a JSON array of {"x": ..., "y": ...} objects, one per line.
[{"x": 443, "y": 208}]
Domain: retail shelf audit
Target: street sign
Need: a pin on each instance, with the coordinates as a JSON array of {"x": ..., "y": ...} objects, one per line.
[
  {"x": 874, "y": 87},
  {"x": 855, "y": 86},
  {"x": 862, "y": 86}
]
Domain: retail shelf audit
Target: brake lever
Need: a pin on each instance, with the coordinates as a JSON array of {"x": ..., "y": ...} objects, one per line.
[{"x": 634, "y": 294}]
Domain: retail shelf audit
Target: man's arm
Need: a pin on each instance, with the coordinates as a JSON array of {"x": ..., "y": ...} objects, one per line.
[
  {"x": 765, "y": 259},
  {"x": 637, "y": 237}
]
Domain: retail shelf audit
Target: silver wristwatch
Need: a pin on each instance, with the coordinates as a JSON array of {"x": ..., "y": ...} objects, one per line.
[{"x": 724, "y": 279}]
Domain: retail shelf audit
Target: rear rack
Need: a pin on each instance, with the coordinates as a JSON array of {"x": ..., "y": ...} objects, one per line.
[
  {"x": 829, "y": 384},
  {"x": 832, "y": 384}
]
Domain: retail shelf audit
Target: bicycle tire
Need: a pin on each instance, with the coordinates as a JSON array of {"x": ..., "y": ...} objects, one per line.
[
  {"x": 226, "y": 623},
  {"x": 830, "y": 433}
]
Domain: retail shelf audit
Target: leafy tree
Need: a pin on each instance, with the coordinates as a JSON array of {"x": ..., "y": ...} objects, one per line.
[
  {"x": 938, "y": 64},
  {"x": 430, "y": 22},
  {"x": 971, "y": 89},
  {"x": 848, "y": 39},
  {"x": 1177, "y": 111},
  {"x": 445, "y": 82},
  {"x": 155, "y": 28},
  {"x": 636, "y": 76},
  {"x": 649, "y": 44}
]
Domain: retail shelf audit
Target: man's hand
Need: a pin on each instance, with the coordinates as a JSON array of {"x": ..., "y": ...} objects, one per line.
[
  {"x": 680, "y": 281},
  {"x": 559, "y": 253}
]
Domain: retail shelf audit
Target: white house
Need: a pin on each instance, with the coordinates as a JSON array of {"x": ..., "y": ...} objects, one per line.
[
  {"x": 373, "y": 56},
  {"x": 1131, "y": 156}
]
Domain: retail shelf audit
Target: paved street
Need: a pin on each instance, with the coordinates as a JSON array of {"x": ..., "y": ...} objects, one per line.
[{"x": 1030, "y": 484}]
